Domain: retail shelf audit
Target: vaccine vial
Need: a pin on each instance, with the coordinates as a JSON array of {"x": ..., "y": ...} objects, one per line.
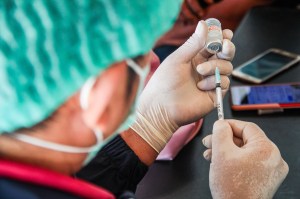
[{"x": 214, "y": 37}]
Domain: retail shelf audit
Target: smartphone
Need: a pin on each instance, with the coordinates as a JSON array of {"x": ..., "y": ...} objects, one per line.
[
  {"x": 265, "y": 65},
  {"x": 272, "y": 96}
]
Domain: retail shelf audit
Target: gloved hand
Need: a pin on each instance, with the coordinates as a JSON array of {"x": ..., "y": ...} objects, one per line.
[
  {"x": 181, "y": 91},
  {"x": 244, "y": 162}
]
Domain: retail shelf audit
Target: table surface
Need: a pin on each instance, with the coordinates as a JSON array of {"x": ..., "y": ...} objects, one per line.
[{"x": 187, "y": 175}]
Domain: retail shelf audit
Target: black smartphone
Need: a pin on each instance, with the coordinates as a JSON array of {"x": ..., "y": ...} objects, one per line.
[{"x": 268, "y": 96}]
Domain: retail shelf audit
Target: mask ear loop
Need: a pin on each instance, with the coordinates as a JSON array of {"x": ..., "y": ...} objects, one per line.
[
  {"x": 84, "y": 103},
  {"x": 85, "y": 92},
  {"x": 141, "y": 72},
  {"x": 53, "y": 146}
]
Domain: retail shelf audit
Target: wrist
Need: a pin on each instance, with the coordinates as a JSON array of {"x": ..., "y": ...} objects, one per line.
[{"x": 140, "y": 147}]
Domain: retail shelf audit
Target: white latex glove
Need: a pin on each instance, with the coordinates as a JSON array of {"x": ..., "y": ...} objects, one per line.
[
  {"x": 181, "y": 91},
  {"x": 244, "y": 162}
]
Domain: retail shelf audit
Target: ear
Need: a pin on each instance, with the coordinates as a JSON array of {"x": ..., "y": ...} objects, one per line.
[{"x": 101, "y": 95}]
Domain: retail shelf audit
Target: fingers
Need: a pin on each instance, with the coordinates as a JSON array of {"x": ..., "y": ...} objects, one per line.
[
  {"x": 207, "y": 154},
  {"x": 193, "y": 45},
  {"x": 207, "y": 70},
  {"x": 228, "y": 134},
  {"x": 228, "y": 50},
  {"x": 209, "y": 83},
  {"x": 207, "y": 141},
  {"x": 209, "y": 67},
  {"x": 227, "y": 53},
  {"x": 238, "y": 142},
  {"x": 246, "y": 130},
  {"x": 220, "y": 141},
  {"x": 227, "y": 34},
  {"x": 222, "y": 137}
]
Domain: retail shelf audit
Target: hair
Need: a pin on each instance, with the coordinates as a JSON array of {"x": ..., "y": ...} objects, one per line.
[{"x": 41, "y": 125}]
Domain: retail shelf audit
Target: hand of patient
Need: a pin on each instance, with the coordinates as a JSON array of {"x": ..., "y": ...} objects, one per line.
[{"x": 244, "y": 162}]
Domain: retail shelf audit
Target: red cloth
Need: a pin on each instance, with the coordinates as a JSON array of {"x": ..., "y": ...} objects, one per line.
[{"x": 47, "y": 178}]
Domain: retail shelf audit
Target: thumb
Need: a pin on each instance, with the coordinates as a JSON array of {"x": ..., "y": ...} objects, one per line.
[
  {"x": 222, "y": 137},
  {"x": 193, "y": 45}
]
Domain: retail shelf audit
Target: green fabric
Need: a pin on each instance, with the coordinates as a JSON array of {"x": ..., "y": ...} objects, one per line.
[{"x": 49, "y": 48}]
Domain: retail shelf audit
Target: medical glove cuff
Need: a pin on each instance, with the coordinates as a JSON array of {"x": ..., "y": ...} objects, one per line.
[{"x": 155, "y": 127}]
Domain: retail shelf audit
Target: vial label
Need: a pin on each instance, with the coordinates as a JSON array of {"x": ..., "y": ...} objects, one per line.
[{"x": 214, "y": 37}]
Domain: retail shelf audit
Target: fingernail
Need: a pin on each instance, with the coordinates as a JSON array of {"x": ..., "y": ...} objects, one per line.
[
  {"x": 203, "y": 141},
  {"x": 205, "y": 154},
  {"x": 201, "y": 70}
]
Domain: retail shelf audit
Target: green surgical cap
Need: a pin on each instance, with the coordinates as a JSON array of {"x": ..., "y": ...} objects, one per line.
[{"x": 48, "y": 48}]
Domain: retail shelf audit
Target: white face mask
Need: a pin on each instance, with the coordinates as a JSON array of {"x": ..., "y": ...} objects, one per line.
[{"x": 84, "y": 95}]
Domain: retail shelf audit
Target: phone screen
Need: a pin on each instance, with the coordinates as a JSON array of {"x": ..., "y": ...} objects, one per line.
[
  {"x": 266, "y": 65},
  {"x": 267, "y": 94}
]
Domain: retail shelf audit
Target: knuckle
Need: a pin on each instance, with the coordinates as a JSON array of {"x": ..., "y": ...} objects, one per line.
[{"x": 253, "y": 126}]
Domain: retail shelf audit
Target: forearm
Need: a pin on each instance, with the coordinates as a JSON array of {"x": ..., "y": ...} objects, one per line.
[{"x": 140, "y": 147}]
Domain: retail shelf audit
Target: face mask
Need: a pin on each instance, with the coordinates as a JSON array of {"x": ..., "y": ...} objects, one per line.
[{"x": 85, "y": 91}]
